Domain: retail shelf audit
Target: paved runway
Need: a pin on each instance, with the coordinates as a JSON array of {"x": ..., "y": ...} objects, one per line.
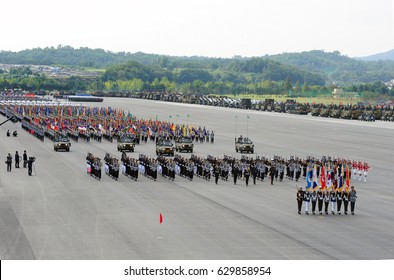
[{"x": 62, "y": 213}]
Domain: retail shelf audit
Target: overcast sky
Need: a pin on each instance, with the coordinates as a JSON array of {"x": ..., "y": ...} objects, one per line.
[{"x": 215, "y": 28}]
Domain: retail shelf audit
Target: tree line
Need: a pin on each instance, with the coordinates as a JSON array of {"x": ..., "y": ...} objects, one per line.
[
  {"x": 124, "y": 83},
  {"x": 315, "y": 67}
]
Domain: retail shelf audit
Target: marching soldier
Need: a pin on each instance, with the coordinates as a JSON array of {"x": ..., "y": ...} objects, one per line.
[
  {"x": 235, "y": 172},
  {"x": 366, "y": 169},
  {"x": 339, "y": 202},
  {"x": 307, "y": 199},
  {"x": 300, "y": 198},
  {"x": 360, "y": 168},
  {"x": 333, "y": 199},
  {"x": 314, "y": 200},
  {"x": 253, "y": 171},
  {"x": 355, "y": 169},
  {"x": 297, "y": 171},
  {"x": 281, "y": 171},
  {"x": 216, "y": 173},
  {"x": 246, "y": 175},
  {"x": 345, "y": 197},
  {"x": 352, "y": 198},
  {"x": 272, "y": 173},
  {"x": 320, "y": 199},
  {"x": 326, "y": 201}
]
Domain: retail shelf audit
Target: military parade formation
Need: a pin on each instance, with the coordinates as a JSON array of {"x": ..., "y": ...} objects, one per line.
[{"x": 327, "y": 179}]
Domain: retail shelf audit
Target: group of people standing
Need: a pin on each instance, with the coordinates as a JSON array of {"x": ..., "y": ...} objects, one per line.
[
  {"x": 325, "y": 198},
  {"x": 27, "y": 162}
]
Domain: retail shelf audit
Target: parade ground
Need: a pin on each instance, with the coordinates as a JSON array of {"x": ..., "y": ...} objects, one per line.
[{"x": 63, "y": 213}]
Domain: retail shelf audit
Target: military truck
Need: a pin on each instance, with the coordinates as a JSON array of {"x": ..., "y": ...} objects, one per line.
[
  {"x": 244, "y": 144},
  {"x": 126, "y": 143},
  {"x": 61, "y": 142},
  {"x": 184, "y": 143},
  {"x": 164, "y": 147}
]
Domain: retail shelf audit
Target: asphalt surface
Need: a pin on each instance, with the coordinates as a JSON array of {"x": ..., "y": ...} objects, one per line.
[{"x": 63, "y": 213}]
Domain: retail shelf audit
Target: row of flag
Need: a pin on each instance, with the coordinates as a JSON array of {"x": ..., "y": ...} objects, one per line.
[{"x": 326, "y": 182}]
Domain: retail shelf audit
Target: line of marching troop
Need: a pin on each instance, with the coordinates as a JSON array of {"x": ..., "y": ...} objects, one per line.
[
  {"x": 335, "y": 198},
  {"x": 222, "y": 168}
]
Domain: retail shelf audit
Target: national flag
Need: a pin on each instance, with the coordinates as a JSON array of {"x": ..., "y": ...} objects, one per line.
[
  {"x": 347, "y": 178},
  {"x": 314, "y": 178},
  {"x": 341, "y": 182},
  {"x": 308, "y": 180},
  {"x": 323, "y": 178}
]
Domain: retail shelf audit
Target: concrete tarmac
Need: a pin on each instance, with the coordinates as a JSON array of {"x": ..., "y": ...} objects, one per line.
[{"x": 63, "y": 213}]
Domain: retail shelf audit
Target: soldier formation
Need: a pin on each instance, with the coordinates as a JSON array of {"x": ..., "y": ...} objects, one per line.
[
  {"x": 111, "y": 166},
  {"x": 325, "y": 197},
  {"x": 93, "y": 166}
]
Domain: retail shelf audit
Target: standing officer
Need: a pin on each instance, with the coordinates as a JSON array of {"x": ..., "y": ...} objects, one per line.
[
  {"x": 16, "y": 159},
  {"x": 300, "y": 198},
  {"x": 30, "y": 165},
  {"x": 9, "y": 162},
  {"x": 352, "y": 198},
  {"x": 24, "y": 159}
]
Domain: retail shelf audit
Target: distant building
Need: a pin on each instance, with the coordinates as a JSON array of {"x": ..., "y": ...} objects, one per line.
[{"x": 340, "y": 93}]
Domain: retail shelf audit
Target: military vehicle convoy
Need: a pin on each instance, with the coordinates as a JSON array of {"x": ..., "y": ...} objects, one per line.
[
  {"x": 244, "y": 144},
  {"x": 184, "y": 143}
]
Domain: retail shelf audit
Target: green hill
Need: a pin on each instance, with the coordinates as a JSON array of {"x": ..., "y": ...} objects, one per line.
[
  {"x": 339, "y": 68},
  {"x": 314, "y": 67}
]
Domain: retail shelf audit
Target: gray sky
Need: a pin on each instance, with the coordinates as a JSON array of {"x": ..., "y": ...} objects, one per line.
[{"x": 215, "y": 28}]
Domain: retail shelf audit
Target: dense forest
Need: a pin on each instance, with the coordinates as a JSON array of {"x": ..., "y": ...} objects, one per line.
[{"x": 296, "y": 74}]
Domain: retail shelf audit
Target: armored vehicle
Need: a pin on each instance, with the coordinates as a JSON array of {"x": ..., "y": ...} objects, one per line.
[
  {"x": 61, "y": 142},
  {"x": 244, "y": 145},
  {"x": 184, "y": 143},
  {"x": 164, "y": 147},
  {"x": 126, "y": 143}
]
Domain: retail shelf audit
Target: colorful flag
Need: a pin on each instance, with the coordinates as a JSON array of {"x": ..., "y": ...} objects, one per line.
[
  {"x": 347, "y": 178},
  {"x": 341, "y": 182},
  {"x": 308, "y": 180},
  {"x": 323, "y": 178},
  {"x": 314, "y": 178}
]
